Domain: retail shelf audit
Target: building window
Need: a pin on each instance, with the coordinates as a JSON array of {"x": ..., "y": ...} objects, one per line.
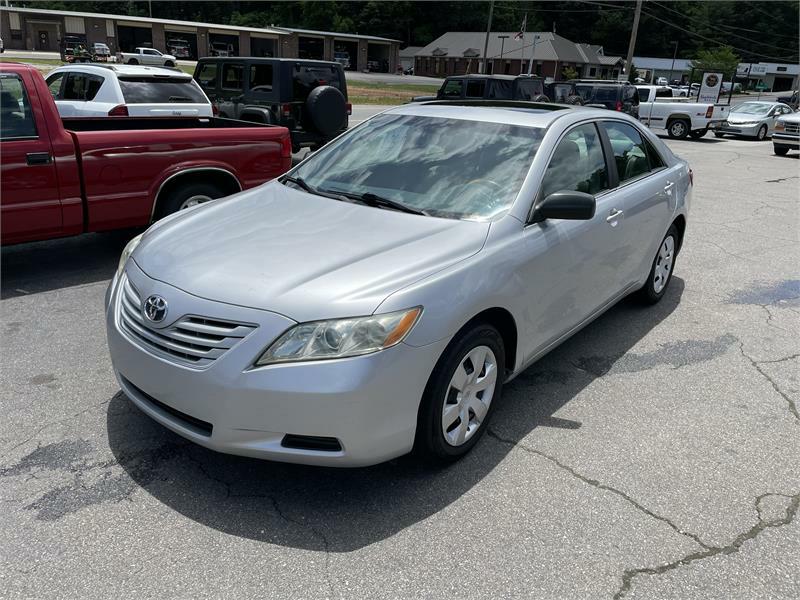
[
  {"x": 13, "y": 21},
  {"x": 592, "y": 71}
]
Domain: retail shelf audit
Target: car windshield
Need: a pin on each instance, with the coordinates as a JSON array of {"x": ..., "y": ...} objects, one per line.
[
  {"x": 147, "y": 90},
  {"x": 445, "y": 167},
  {"x": 753, "y": 108}
]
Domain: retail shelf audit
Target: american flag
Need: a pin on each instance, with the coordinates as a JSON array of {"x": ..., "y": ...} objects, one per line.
[{"x": 521, "y": 33}]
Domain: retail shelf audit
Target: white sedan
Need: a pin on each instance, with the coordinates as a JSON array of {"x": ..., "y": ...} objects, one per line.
[{"x": 126, "y": 90}]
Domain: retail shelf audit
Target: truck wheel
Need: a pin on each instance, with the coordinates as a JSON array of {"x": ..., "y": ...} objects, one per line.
[
  {"x": 678, "y": 129},
  {"x": 576, "y": 100},
  {"x": 187, "y": 196},
  {"x": 169, "y": 63},
  {"x": 780, "y": 150},
  {"x": 541, "y": 98},
  {"x": 697, "y": 133},
  {"x": 133, "y": 61}
]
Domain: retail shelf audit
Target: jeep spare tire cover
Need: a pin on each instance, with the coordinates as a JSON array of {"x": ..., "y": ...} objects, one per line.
[{"x": 325, "y": 109}]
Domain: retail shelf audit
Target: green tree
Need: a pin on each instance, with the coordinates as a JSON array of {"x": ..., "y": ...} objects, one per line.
[
  {"x": 569, "y": 73},
  {"x": 633, "y": 73},
  {"x": 719, "y": 60}
]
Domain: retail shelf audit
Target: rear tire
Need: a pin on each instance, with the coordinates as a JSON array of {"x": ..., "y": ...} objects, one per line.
[
  {"x": 469, "y": 406},
  {"x": 678, "y": 129},
  {"x": 187, "y": 196},
  {"x": 718, "y": 134},
  {"x": 661, "y": 271},
  {"x": 697, "y": 133},
  {"x": 133, "y": 61},
  {"x": 780, "y": 150},
  {"x": 541, "y": 98},
  {"x": 762, "y": 133}
]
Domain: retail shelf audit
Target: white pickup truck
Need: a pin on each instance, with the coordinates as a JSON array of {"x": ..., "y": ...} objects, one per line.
[
  {"x": 146, "y": 56},
  {"x": 658, "y": 109}
]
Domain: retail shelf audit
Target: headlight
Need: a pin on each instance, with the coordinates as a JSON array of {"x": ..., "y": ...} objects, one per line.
[
  {"x": 127, "y": 251},
  {"x": 319, "y": 340}
]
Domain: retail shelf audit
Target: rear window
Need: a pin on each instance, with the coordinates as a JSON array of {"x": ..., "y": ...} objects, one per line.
[
  {"x": 605, "y": 94},
  {"x": 149, "y": 90},
  {"x": 306, "y": 78}
]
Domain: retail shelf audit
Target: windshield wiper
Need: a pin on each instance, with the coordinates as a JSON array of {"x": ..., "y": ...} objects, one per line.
[
  {"x": 301, "y": 183},
  {"x": 371, "y": 199}
]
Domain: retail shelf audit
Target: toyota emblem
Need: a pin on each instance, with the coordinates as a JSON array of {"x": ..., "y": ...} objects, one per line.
[{"x": 155, "y": 309}]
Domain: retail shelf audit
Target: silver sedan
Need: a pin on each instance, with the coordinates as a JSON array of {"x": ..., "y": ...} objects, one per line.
[
  {"x": 753, "y": 119},
  {"x": 375, "y": 299}
]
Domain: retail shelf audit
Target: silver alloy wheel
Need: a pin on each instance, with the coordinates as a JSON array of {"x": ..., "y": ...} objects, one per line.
[
  {"x": 467, "y": 399},
  {"x": 664, "y": 260},
  {"x": 194, "y": 201},
  {"x": 762, "y": 133},
  {"x": 678, "y": 128}
]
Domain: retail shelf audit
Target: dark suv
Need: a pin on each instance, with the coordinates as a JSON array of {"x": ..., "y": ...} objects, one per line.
[
  {"x": 309, "y": 97},
  {"x": 614, "y": 95},
  {"x": 489, "y": 87}
]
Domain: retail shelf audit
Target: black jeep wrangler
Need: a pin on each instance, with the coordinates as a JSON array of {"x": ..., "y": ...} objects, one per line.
[
  {"x": 613, "y": 95},
  {"x": 309, "y": 97},
  {"x": 489, "y": 87}
]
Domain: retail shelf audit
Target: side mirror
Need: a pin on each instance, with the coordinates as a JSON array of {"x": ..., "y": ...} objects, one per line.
[{"x": 565, "y": 204}]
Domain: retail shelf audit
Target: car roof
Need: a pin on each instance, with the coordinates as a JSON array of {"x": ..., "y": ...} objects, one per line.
[
  {"x": 526, "y": 114},
  {"x": 500, "y": 77},
  {"x": 302, "y": 61},
  {"x": 129, "y": 70}
]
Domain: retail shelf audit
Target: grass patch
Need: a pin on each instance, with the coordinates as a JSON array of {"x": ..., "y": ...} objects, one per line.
[
  {"x": 45, "y": 65},
  {"x": 359, "y": 92}
]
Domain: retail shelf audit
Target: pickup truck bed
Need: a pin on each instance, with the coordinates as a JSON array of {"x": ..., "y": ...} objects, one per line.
[{"x": 67, "y": 177}]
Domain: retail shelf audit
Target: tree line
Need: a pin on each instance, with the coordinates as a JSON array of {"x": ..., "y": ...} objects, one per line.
[{"x": 755, "y": 31}]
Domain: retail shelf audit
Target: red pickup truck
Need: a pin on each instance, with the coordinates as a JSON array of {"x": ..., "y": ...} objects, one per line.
[{"x": 65, "y": 177}]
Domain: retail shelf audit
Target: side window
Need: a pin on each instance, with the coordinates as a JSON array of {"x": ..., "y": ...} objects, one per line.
[
  {"x": 524, "y": 90},
  {"x": 654, "y": 158},
  {"x": 152, "y": 53},
  {"x": 577, "y": 164},
  {"x": 16, "y": 118},
  {"x": 630, "y": 152},
  {"x": 54, "y": 83},
  {"x": 452, "y": 88},
  {"x": 81, "y": 86},
  {"x": 499, "y": 89},
  {"x": 475, "y": 89},
  {"x": 644, "y": 94},
  {"x": 261, "y": 78},
  {"x": 232, "y": 76},
  {"x": 207, "y": 77}
]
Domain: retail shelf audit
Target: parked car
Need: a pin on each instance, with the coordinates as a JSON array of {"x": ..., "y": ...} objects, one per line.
[
  {"x": 377, "y": 298},
  {"x": 613, "y": 95},
  {"x": 489, "y": 87},
  {"x": 100, "y": 52},
  {"x": 662, "y": 81},
  {"x": 343, "y": 58},
  {"x": 146, "y": 56},
  {"x": 220, "y": 49},
  {"x": 752, "y": 119},
  {"x": 65, "y": 177},
  {"x": 563, "y": 92},
  {"x": 791, "y": 100},
  {"x": 126, "y": 90},
  {"x": 179, "y": 48},
  {"x": 680, "y": 118},
  {"x": 309, "y": 97},
  {"x": 786, "y": 135}
]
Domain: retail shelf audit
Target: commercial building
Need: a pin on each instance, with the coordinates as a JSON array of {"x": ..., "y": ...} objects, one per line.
[
  {"x": 773, "y": 77},
  {"x": 459, "y": 52},
  {"x": 650, "y": 68},
  {"x": 39, "y": 29}
]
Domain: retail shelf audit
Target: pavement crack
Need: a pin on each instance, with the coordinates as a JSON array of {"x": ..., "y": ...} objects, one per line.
[
  {"x": 757, "y": 366},
  {"x": 599, "y": 485},
  {"x": 781, "y": 179},
  {"x": 629, "y": 574}
]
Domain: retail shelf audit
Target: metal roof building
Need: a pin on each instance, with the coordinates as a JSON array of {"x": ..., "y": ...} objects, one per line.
[{"x": 40, "y": 29}]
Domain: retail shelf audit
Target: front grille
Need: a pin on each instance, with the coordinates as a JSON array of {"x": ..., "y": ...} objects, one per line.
[
  {"x": 192, "y": 340},
  {"x": 198, "y": 425},
  {"x": 792, "y": 128}
]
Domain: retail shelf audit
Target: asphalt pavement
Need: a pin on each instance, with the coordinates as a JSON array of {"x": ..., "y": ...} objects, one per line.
[{"x": 656, "y": 454}]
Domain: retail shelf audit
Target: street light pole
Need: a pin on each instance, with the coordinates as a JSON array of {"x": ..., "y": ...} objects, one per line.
[
  {"x": 488, "y": 30},
  {"x": 674, "y": 54}
]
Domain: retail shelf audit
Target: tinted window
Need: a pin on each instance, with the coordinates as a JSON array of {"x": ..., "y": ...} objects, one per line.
[
  {"x": 147, "y": 90},
  {"x": 232, "y": 76},
  {"x": 54, "y": 83},
  {"x": 80, "y": 86},
  {"x": 16, "y": 119},
  {"x": 500, "y": 89},
  {"x": 207, "y": 76},
  {"x": 306, "y": 79},
  {"x": 475, "y": 89},
  {"x": 152, "y": 52},
  {"x": 630, "y": 152},
  {"x": 578, "y": 164},
  {"x": 452, "y": 168},
  {"x": 644, "y": 94},
  {"x": 663, "y": 93},
  {"x": 261, "y": 78},
  {"x": 452, "y": 88},
  {"x": 561, "y": 91},
  {"x": 525, "y": 90}
]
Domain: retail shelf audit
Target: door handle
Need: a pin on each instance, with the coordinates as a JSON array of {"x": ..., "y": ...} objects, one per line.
[
  {"x": 612, "y": 218},
  {"x": 39, "y": 158},
  {"x": 669, "y": 186}
]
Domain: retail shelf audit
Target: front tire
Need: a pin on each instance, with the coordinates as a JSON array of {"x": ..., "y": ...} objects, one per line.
[
  {"x": 678, "y": 129},
  {"x": 718, "y": 134},
  {"x": 170, "y": 64},
  {"x": 661, "y": 271},
  {"x": 780, "y": 150},
  {"x": 461, "y": 394}
]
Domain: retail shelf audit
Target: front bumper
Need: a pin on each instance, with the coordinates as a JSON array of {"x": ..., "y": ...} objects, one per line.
[
  {"x": 736, "y": 129},
  {"x": 368, "y": 404},
  {"x": 787, "y": 140}
]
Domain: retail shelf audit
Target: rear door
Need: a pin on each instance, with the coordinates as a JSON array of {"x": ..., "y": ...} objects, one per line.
[
  {"x": 31, "y": 206},
  {"x": 77, "y": 94}
]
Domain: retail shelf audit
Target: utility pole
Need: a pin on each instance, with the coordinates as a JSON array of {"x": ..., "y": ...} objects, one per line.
[
  {"x": 488, "y": 30},
  {"x": 632, "y": 45},
  {"x": 503, "y": 39},
  {"x": 533, "y": 50},
  {"x": 674, "y": 54}
]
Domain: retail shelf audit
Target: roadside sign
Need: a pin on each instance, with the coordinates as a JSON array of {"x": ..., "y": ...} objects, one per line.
[
  {"x": 761, "y": 86},
  {"x": 710, "y": 85}
]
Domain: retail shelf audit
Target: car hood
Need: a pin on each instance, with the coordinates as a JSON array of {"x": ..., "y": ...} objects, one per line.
[
  {"x": 791, "y": 118},
  {"x": 735, "y": 117},
  {"x": 301, "y": 255}
]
